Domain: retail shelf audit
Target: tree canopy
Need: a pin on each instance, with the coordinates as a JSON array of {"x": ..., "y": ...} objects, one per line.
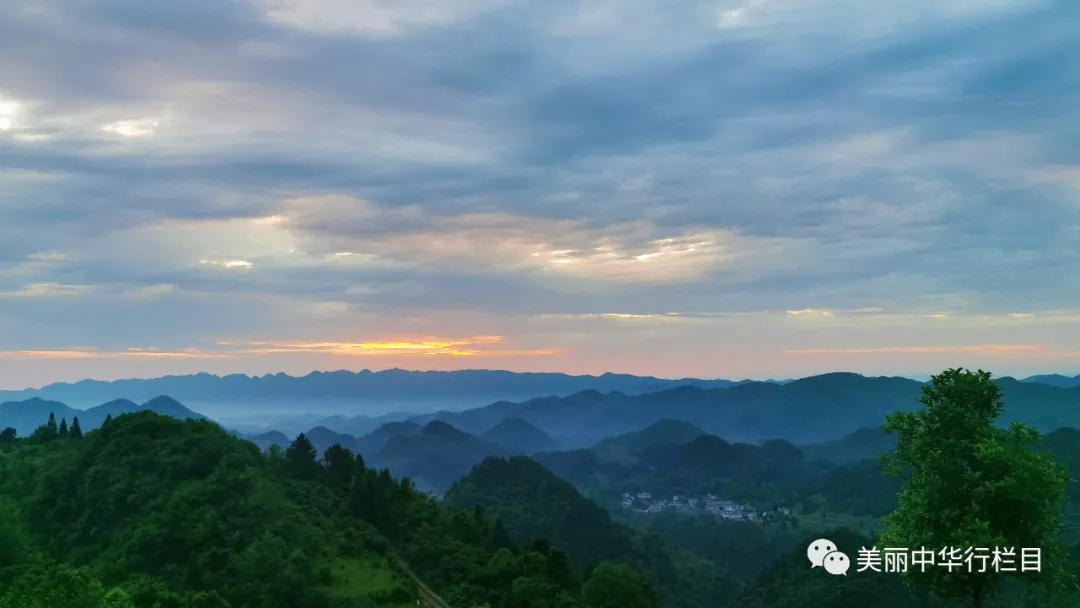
[{"x": 970, "y": 484}]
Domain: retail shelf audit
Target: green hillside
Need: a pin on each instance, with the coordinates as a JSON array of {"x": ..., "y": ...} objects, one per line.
[
  {"x": 536, "y": 504},
  {"x": 153, "y": 511}
]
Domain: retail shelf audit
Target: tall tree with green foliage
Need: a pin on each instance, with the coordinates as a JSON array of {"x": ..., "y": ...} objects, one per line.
[
  {"x": 301, "y": 459},
  {"x": 47, "y": 431},
  {"x": 8, "y": 435},
  {"x": 63, "y": 430},
  {"x": 972, "y": 484},
  {"x": 340, "y": 466},
  {"x": 76, "y": 430}
]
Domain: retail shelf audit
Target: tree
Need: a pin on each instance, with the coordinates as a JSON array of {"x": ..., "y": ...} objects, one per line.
[
  {"x": 63, "y": 431},
  {"x": 108, "y": 419},
  {"x": 301, "y": 458},
  {"x": 8, "y": 435},
  {"x": 47, "y": 431},
  {"x": 340, "y": 466},
  {"x": 971, "y": 484},
  {"x": 76, "y": 430},
  {"x": 617, "y": 586}
]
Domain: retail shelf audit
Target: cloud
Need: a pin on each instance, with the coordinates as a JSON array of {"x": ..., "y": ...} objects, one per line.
[
  {"x": 372, "y": 17},
  {"x": 995, "y": 350},
  {"x": 476, "y": 346},
  {"x": 138, "y": 127},
  {"x": 198, "y": 171},
  {"x": 133, "y": 353},
  {"x": 8, "y": 109},
  {"x": 229, "y": 264},
  {"x": 467, "y": 347},
  {"x": 503, "y": 242},
  {"x": 809, "y": 312},
  {"x": 49, "y": 290}
]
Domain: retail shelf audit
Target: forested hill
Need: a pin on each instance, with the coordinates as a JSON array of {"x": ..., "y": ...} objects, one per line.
[
  {"x": 539, "y": 506},
  {"x": 25, "y": 416},
  {"x": 153, "y": 511}
]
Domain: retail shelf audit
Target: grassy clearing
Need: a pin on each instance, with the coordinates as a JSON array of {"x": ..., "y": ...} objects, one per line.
[{"x": 369, "y": 577}]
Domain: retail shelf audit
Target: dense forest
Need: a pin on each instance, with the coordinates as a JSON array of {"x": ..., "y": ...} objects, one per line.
[{"x": 157, "y": 512}]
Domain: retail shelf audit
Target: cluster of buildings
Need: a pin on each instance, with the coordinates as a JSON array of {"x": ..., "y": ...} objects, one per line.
[{"x": 710, "y": 503}]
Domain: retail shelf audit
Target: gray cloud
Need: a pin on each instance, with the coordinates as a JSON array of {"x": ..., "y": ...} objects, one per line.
[{"x": 909, "y": 163}]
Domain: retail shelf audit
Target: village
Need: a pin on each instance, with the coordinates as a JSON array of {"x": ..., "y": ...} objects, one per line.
[{"x": 726, "y": 509}]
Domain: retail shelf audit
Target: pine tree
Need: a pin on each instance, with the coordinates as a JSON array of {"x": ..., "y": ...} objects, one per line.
[
  {"x": 76, "y": 430},
  {"x": 108, "y": 419},
  {"x": 63, "y": 431},
  {"x": 340, "y": 466},
  {"x": 47, "y": 431},
  {"x": 301, "y": 458}
]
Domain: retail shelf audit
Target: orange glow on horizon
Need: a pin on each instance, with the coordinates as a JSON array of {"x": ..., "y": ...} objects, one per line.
[{"x": 465, "y": 347}]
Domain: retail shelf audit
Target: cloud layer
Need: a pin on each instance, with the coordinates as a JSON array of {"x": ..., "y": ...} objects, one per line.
[{"x": 725, "y": 188}]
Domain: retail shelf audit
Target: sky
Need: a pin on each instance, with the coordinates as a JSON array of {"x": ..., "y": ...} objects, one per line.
[{"x": 746, "y": 188}]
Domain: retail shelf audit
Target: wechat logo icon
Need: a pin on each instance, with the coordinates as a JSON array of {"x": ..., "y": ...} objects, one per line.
[{"x": 823, "y": 552}]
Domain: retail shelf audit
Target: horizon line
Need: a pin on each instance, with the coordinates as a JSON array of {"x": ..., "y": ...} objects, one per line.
[{"x": 919, "y": 376}]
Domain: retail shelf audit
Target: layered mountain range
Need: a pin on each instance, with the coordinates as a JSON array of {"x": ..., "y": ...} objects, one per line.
[{"x": 436, "y": 449}]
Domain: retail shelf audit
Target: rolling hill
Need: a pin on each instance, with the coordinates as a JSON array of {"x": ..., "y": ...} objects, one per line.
[
  {"x": 435, "y": 457},
  {"x": 518, "y": 434},
  {"x": 662, "y": 432},
  {"x": 25, "y": 416},
  {"x": 431, "y": 456},
  {"x": 533, "y": 503},
  {"x": 860, "y": 445},
  {"x": 267, "y": 439},
  {"x": 806, "y": 411},
  {"x": 669, "y": 458},
  {"x": 154, "y": 511}
]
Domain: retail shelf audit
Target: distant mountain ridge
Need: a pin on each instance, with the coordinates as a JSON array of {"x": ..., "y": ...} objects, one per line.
[
  {"x": 478, "y": 386},
  {"x": 806, "y": 411},
  {"x": 1057, "y": 380}
]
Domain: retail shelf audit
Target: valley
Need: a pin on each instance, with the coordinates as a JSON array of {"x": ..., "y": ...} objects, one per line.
[{"x": 704, "y": 518}]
